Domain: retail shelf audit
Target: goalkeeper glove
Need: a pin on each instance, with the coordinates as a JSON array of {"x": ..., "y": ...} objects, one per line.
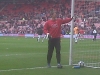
[{"x": 47, "y": 35}]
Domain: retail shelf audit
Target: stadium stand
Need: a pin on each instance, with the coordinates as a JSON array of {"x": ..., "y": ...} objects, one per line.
[{"x": 24, "y": 16}]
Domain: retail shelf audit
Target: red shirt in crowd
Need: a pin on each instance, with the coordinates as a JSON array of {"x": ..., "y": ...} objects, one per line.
[
  {"x": 81, "y": 31},
  {"x": 53, "y": 27}
]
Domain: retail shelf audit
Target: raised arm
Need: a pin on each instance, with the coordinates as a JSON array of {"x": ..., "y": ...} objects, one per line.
[{"x": 66, "y": 20}]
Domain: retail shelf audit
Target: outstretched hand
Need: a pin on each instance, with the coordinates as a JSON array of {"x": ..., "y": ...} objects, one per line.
[{"x": 73, "y": 17}]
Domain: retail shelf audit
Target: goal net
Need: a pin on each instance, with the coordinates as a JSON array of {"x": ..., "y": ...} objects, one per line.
[{"x": 87, "y": 13}]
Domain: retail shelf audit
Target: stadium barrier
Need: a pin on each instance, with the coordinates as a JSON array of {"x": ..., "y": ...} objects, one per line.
[{"x": 36, "y": 35}]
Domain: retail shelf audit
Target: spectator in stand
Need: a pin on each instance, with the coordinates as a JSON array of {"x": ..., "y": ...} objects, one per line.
[{"x": 81, "y": 34}]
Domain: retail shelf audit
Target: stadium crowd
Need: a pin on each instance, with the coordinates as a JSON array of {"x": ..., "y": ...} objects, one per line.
[{"x": 25, "y": 16}]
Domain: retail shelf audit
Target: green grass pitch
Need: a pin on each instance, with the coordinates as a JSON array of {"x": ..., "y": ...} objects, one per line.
[{"x": 25, "y": 56}]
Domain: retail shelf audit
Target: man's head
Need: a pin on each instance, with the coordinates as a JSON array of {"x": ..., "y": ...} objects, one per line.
[{"x": 53, "y": 15}]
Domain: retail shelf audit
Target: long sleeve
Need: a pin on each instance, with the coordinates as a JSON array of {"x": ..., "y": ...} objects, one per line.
[
  {"x": 46, "y": 28},
  {"x": 66, "y": 20}
]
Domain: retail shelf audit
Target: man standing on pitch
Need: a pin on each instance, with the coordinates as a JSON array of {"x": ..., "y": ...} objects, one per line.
[
  {"x": 94, "y": 34},
  {"x": 52, "y": 29},
  {"x": 76, "y": 33},
  {"x": 39, "y": 32}
]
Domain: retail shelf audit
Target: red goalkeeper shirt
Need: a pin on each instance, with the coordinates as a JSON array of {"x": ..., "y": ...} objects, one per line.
[{"x": 53, "y": 27}]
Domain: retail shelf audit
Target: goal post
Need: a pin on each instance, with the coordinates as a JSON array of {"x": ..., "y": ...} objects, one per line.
[
  {"x": 71, "y": 37},
  {"x": 87, "y": 50}
]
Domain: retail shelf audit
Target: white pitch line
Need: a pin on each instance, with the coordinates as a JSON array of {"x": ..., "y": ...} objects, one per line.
[
  {"x": 24, "y": 54},
  {"x": 21, "y": 54},
  {"x": 28, "y": 68}
]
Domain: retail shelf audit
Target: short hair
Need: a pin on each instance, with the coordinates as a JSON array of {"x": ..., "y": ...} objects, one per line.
[{"x": 52, "y": 11}]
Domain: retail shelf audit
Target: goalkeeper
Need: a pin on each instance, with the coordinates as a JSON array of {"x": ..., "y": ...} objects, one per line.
[{"x": 53, "y": 30}]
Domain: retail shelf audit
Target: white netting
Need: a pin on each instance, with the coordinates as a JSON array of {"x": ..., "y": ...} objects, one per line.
[{"x": 87, "y": 50}]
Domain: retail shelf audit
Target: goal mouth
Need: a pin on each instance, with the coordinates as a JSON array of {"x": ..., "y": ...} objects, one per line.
[{"x": 87, "y": 14}]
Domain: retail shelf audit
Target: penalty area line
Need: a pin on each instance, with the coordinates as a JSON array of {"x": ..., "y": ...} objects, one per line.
[{"x": 29, "y": 68}]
